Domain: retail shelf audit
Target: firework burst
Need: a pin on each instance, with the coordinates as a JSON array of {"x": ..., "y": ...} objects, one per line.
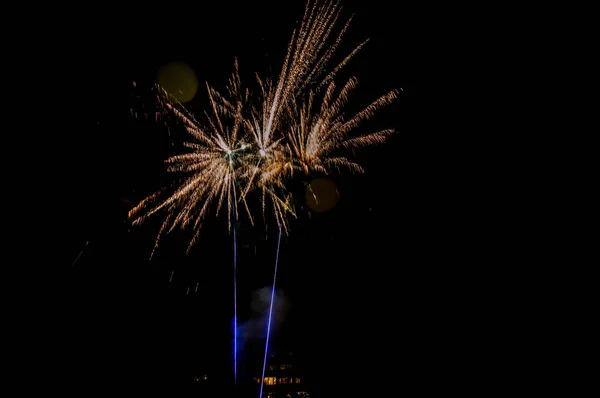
[
  {"x": 209, "y": 173},
  {"x": 253, "y": 144},
  {"x": 316, "y": 133}
]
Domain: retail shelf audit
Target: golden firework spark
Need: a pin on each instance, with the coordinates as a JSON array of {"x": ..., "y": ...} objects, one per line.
[
  {"x": 316, "y": 133},
  {"x": 209, "y": 171}
]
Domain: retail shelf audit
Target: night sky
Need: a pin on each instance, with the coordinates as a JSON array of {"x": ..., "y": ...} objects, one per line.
[{"x": 374, "y": 287}]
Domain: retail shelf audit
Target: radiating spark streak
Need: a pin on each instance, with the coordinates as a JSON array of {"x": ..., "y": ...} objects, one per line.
[
  {"x": 80, "y": 253},
  {"x": 303, "y": 63},
  {"x": 270, "y": 315},
  {"x": 316, "y": 134}
]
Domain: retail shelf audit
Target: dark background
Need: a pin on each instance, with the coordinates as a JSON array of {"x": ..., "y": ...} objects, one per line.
[{"x": 387, "y": 292}]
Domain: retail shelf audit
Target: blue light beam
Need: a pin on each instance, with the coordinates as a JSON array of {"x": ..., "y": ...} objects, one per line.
[
  {"x": 234, "y": 306},
  {"x": 262, "y": 381}
]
